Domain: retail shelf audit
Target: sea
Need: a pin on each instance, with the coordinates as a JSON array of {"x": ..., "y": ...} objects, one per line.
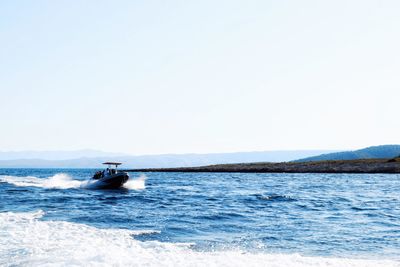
[{"x": 51, "y": 217}]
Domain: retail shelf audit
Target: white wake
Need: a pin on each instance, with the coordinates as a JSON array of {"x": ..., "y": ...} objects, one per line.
[
  {"x": 137, "y": 183},
  {"x": 60, "y": 181},
  {"x": 26, "y": 240}
]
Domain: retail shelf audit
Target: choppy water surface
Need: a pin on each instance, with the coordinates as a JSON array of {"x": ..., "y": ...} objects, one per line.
[{"x": 50, "y": 217}]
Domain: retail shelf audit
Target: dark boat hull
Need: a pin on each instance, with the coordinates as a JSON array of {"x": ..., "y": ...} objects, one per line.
[{"x": 112, "y": 181}]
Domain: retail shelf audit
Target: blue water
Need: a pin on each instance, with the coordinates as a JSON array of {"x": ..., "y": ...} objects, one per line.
[{"x": 352, "y": 216}]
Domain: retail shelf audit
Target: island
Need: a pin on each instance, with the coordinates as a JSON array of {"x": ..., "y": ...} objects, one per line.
[{"x": 328, "y": 166}]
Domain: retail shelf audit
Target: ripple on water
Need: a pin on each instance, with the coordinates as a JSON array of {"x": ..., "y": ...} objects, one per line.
[
  {"x": 275, "y": 198},
  {"x": 334, "y": 216}
]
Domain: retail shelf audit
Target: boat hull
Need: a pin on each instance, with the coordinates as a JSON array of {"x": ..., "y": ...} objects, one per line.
[{"x": 112, "y": 181}]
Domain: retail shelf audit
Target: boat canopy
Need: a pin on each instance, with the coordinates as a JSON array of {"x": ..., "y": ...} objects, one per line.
[{"x": 112, "y": 163}]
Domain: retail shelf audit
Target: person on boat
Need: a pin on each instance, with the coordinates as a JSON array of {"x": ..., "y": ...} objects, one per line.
[{"x": 97, "y": 175}]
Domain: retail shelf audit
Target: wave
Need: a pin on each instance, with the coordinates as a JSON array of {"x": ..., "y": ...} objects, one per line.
[
  {"x": 136, "y": 184},
  {"x": 26, "y": 240},
  {"x": 64, "y": 181},
  {"x": 59, "y": 181},
  {"x": 275, "y": 197}
]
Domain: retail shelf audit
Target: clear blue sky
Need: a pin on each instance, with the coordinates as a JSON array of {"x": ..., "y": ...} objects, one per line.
[{"x": 147, "y": 77}]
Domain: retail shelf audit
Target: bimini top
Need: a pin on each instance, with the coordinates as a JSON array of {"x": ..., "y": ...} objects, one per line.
[{"x": 112, "y": 163}]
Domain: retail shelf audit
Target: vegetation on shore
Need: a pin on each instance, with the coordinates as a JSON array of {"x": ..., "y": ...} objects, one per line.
[
  {"x": 372, "y": 152},
  {"x": 329, "y": 166}
]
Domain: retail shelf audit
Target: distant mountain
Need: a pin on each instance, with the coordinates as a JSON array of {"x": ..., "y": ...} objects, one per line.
[
  {"x": 373, "y": 152},
  {"x": 56, "y": 155},
  {"x": 151, "y": 161}
]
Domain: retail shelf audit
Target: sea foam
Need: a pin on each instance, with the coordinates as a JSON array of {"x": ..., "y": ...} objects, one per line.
[
  {"x": 137, "y": 183},
  {"x": 59, "y": 181},
  {"x": 27, "y": 240}
]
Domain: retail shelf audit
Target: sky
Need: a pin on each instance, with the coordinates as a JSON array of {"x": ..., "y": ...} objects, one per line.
[{"x": 153, "y": 77}]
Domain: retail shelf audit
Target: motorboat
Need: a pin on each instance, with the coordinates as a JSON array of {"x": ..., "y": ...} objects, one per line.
[{"x": 109, "y": 178}]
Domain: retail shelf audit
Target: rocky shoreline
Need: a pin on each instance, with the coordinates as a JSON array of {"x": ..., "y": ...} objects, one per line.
[{"x": 334, "y": 166}]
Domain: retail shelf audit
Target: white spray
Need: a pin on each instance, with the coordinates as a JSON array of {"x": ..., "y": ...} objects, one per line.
[{"x": 137, "y": 184}]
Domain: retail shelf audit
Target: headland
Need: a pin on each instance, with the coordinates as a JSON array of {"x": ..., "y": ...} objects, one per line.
[{"x": 329, "y": 166}]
